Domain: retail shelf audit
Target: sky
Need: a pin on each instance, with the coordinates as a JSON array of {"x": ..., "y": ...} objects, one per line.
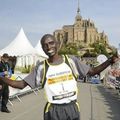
[{"x": 38, "y": 17}]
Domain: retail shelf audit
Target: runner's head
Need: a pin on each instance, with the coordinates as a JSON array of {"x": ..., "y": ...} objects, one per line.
[{"x": 49, "y": 45}]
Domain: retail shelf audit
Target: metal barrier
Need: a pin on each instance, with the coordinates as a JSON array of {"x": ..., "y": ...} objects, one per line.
[{"x": 16, "y": 93}]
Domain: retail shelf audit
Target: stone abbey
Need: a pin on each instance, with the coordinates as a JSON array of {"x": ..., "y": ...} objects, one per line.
[{"x": 82, "y": 32}]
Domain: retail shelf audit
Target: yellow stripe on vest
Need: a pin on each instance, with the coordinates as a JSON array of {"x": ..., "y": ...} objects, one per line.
[{"x": 59, "y": 79}]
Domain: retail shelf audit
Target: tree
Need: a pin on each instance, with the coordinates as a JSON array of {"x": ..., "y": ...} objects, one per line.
[
  {"x": 69, "y": 48},
  {"x": 100, "y": 48}
]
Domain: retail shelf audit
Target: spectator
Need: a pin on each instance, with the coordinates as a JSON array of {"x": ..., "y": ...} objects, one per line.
[{"x": 5, "y": 71}]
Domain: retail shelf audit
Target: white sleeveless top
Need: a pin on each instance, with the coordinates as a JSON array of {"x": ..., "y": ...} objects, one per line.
[{"x": 60, "y": 86}]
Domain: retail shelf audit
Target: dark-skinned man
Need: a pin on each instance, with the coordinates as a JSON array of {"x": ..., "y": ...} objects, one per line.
[{"x": 58, "y": 75}]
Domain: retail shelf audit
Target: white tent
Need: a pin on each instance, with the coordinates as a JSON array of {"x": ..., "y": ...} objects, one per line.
[
  {"x": 19, "y": 46},
  {"x": 39, "y": 49}
]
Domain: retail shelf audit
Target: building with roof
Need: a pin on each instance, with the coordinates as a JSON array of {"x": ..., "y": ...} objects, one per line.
[{"x": 83, "y": 32}]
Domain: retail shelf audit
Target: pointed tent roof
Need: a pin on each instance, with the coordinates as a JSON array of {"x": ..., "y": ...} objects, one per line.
[
  {"x": 39, "y": 49},
  {"x": 19, "y": 46}
]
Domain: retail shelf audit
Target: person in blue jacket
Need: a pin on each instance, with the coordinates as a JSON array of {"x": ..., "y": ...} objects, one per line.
[{"x": 5, "y": 71}]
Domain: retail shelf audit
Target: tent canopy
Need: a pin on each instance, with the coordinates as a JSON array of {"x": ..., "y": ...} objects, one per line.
[
  {"x": 39, "y": 49},
  {"x": 19, "y": 46}
]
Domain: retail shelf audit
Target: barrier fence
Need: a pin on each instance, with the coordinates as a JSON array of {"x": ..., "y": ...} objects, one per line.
[{"x": 16, "y": 93}]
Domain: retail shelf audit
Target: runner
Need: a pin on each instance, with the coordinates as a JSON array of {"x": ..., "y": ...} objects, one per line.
[{"x": 58, "y": 75}]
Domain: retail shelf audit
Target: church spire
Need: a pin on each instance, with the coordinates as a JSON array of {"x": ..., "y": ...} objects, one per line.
[
  {"x": 78, "y": 10},
  {"x": 78, "y": 16}
]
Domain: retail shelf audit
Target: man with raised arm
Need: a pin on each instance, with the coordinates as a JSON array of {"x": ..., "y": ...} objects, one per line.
[{"x": 58, "y": 75}]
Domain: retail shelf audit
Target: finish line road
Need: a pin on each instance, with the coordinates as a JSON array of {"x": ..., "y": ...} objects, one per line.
[{"x": 96, "y": 103}]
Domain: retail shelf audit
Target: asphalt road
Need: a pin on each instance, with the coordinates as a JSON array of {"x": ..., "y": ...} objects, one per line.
[{"x": 96, "y": 103}]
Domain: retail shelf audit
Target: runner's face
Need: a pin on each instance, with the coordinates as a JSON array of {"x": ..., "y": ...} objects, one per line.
[{"x": 50, "y": 47}]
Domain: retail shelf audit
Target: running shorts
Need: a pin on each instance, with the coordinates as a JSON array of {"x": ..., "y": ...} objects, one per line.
[{"x": 69, "y": 111}]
